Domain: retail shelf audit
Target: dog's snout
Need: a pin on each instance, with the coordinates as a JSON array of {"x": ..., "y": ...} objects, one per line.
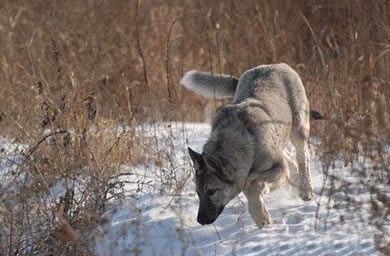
[
  {"x": 209, "y": 215},
  {"x": 204, "y": 219}
]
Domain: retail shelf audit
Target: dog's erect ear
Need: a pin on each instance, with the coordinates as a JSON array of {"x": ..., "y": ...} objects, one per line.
[
  {"x": 196, "y": 158},
  {"x": 212, "y": 162},
  {"x": 228, "y": 172},
  {"x": 221, "y": 167}
]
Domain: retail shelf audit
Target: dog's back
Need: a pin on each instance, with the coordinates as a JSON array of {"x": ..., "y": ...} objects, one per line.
[{"x": 277, "y": 87}]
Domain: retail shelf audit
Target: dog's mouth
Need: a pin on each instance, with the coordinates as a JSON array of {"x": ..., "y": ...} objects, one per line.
[
  {"x": 208, "y": 217},
  {"x": 206, "y": 222}
]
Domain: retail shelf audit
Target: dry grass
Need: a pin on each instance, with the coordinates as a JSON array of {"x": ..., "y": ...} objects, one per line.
[{"x": 72, "y": 70}]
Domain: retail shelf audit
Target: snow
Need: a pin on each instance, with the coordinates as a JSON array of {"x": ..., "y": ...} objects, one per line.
[
  {"x": 160, "y": 223},
  {"x": 158, "y": 219},
  {"x": 10, "y": 158}
]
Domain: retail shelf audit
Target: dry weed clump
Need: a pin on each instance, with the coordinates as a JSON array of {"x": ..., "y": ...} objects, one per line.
[
  {"x": 74, "y": 72},
  {"x": 60, "y": 183}
]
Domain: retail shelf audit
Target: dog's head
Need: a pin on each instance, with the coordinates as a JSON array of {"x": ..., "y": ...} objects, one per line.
[{"x": 215, "y": 185}]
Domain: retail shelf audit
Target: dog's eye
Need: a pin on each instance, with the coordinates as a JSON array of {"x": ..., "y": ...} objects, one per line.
[{"x": 211, "y": 192}]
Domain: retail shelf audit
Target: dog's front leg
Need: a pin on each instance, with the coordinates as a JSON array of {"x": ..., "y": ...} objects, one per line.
[
  {"x": 256, "y": 205},
  {"x": 262, "y": 183}
]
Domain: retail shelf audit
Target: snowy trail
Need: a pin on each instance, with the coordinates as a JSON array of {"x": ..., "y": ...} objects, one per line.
[{"x": 163, "y": 225}]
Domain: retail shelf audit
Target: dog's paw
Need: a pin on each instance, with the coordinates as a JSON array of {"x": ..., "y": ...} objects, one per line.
[
  {"x": 262, "y": 221},
  {"x": 306, "y": 194},
  {"x": 265, "y": 222},
  {"x": 305, "y": 189}
]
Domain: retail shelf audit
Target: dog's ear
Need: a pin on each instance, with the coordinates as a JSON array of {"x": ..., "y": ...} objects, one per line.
[
  {"x": 196, "y": 158},
  {"x": 227, "y": 172},
  {"x": 220, "y": 166},
  {"x": 212, "y": 162}
]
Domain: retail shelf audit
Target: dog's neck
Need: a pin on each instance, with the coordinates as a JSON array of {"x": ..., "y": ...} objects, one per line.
[{"x": 235, "y": 144}]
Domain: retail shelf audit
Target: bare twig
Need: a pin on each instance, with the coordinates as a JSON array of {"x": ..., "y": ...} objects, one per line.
[
  {"x": 32, "y": 150},
  {"x": 140, "y": 52}
]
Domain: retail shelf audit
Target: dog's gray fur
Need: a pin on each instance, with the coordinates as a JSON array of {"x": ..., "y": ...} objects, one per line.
[
  {"x": 246, "y": 150},
  {"x": 208, "y": 85}
]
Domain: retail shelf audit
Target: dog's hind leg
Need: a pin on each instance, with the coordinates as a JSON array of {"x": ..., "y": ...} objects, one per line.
[
  {"x": 260, "y": 185},
  {"x": 292, "y": 174},
  {"x": 300, "y": 139}
]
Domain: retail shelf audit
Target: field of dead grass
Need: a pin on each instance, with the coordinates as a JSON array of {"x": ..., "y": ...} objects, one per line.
[{"x": 73, "y": 74}]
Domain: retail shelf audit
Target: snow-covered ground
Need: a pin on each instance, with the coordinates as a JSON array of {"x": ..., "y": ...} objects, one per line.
[
  {"x": 156, "y": 219},
  {"x": 164, "y": 223},
  {"x": 9, "y": 159}
]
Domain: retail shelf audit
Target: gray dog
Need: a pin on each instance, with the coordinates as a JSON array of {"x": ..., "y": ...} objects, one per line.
[{"x": 246, "y": 150}]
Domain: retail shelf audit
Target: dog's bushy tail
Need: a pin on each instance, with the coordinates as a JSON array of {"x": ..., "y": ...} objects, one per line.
[{"x": 206, "y": 84}]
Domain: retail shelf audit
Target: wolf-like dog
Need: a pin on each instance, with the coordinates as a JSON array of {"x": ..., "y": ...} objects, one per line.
[{"x": 246, "y": 150}]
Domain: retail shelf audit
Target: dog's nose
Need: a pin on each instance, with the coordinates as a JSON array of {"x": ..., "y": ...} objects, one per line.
[
  {"x": 200, "y": 220},
  {"x": 204, "y": 220}
]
